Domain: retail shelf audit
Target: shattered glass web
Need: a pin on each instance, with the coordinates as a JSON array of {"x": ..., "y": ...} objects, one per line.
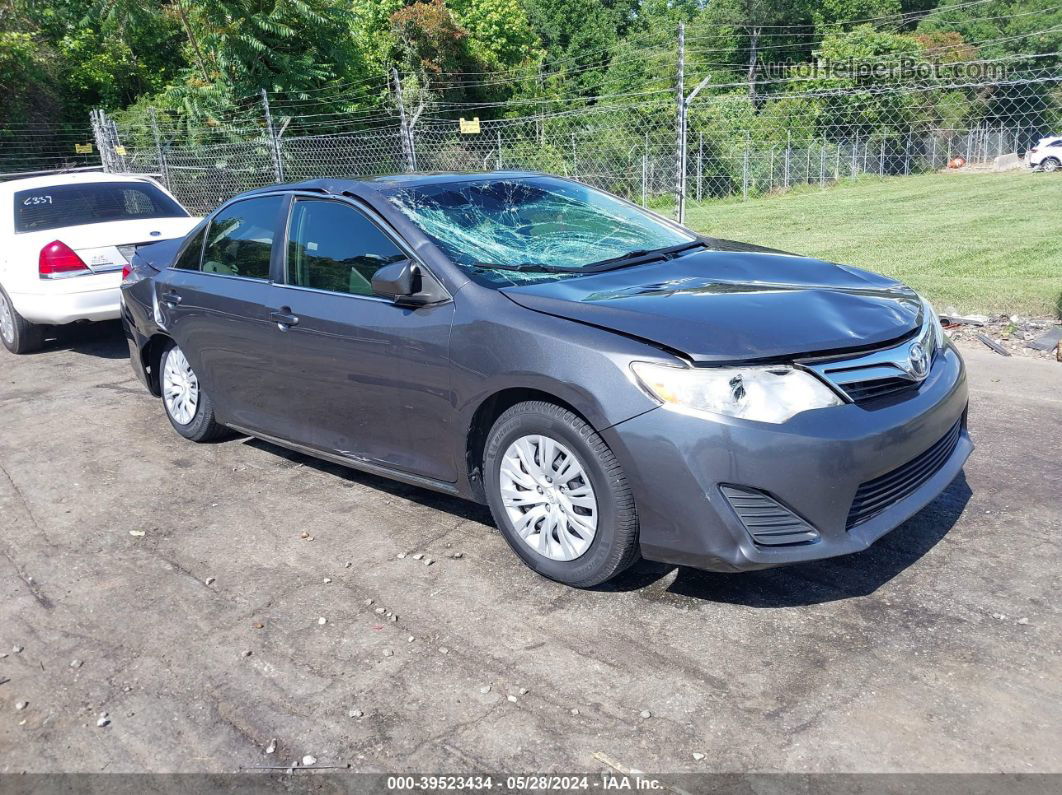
[{"x": 532, "y": 220}]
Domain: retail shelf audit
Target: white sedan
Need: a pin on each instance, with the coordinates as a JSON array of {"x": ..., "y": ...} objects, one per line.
[{"x": 64, "y": 240}]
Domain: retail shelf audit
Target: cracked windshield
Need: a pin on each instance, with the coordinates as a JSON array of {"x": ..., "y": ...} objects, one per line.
[{"x": 524, "y": 231}]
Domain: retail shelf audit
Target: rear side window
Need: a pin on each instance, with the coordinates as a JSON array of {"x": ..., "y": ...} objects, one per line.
[
  {"x": 57, "y": 206},
  {"x": 240, "y": 238},
  {"x": 332, "y": 246},
  {"x": 189, "y": 259}
]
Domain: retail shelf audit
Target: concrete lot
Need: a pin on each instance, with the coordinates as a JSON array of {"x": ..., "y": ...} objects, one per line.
[{"x": 936, "y": 650}]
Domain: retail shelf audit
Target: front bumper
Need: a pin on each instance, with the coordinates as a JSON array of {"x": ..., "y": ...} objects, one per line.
[{"x": 813, "y": 465}]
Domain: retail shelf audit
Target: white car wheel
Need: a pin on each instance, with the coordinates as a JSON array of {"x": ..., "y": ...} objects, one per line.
[{"x": 7, "y": 320}]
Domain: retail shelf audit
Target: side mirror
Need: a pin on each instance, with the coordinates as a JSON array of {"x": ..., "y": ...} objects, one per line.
[
  {"x": 405, "y": 284},
  {"x": 394, "y": 281}
]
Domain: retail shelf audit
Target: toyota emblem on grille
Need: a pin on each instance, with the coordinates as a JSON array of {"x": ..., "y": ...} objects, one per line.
[{"x": 917, "y": 361}]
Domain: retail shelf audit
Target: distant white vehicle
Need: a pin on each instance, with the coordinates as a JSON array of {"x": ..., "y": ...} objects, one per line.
[
  {"x": 64, "y": 241},
  {"x": 1046, "y": 155}
]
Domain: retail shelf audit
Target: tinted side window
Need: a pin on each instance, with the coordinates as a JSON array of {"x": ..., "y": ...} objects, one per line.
[
  {"x": 332, "y": 246},
  {"x": 189, "y": 259},
  {"x": 240, "y": 238}
]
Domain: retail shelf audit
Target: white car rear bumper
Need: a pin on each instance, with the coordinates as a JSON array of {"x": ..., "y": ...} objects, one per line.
[{"x": 61, "y": 303}]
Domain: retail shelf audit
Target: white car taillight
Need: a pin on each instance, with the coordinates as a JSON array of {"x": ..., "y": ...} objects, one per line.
[{"x": 57, "y": 259}]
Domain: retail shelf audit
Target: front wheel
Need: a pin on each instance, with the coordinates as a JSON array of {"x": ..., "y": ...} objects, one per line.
[
  {"x": 189, "y": 409},
  {"x": 559, "y": 495},
  {"x": 18, "y": 334}
]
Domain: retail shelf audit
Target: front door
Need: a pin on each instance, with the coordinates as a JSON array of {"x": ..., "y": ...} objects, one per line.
[{"x": 364, "y": 378}]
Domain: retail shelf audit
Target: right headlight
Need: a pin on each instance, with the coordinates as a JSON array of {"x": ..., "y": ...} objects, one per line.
[
  {"x": 772, "y": 393},
  {"x": 931, "y": 322}
]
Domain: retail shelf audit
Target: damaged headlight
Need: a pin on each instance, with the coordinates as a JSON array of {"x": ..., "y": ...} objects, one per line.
[{"x": 772, "y": 393}]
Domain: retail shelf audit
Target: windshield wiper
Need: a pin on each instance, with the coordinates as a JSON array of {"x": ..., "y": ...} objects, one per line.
[
  {"x": 526, "y": 267},
  {"x": 612, "y": 263},
  {"x": 639, "y": 256}
]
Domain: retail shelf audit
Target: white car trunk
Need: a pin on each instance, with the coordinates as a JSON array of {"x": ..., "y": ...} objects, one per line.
[{"x": 107, "y": 246}]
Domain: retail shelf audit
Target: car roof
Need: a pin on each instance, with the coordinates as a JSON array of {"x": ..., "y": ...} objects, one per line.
[
  {"x": 359, "y": 185},
  {"x": 77, "y": 178}
]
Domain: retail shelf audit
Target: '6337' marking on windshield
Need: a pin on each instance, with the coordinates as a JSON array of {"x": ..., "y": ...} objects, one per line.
[{"x": 35, "y": 200}]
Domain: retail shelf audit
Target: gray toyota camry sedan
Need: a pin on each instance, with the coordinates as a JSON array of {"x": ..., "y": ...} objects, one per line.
[{"x": 610, "y": 383}]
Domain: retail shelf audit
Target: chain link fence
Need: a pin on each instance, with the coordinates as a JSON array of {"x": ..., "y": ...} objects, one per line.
[{"x": 736, "y": 146}]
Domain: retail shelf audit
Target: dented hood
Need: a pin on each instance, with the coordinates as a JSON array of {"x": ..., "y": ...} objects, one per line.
[{"x": 735, "y": 302}]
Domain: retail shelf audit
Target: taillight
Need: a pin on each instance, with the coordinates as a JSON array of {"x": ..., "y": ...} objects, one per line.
[
  {"x": 126, "y": 270},
  {"x": 1034, "y": 150},
  {"x": 58, "y": 259}
]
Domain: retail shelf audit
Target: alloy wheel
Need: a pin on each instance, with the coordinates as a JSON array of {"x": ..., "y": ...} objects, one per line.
[
  {"x": 7, "y": 319},
  {"x": 548, "y": 497},
  {"x": 180, "y": 387}
]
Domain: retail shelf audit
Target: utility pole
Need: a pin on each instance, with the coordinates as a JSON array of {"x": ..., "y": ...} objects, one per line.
[
  {"x": 274, "y": 144},
  {"x": 683, "y": 101},
  {"x": 407, "y": 147}
]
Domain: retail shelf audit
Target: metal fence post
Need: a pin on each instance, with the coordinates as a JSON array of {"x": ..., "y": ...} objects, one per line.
[
  {"x": 164, "y": 171},
  {"x": 700, "y": 163},
  {"x": 745, "y": 171},
  {"x": 274, "y": 148},
  {"x": 407, "y": 141},
  {"x": 645, "y": 176},
  {"x": 97, "y": 134},
  {"x": 680, "y": 124},
  {"x": 788, "y": 144},
  {"x": 498, "y": 131}
]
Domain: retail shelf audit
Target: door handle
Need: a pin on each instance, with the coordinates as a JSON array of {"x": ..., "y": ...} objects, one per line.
[
  {"x": 284, "y": 318},
  {"x": 171, "y": 298}
]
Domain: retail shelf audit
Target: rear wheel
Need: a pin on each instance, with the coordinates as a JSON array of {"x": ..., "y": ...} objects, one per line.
[
  {"x": 17, "y": 333},
  {"x": 189, "y": 409},
  {"x": 1050, "y": 164},
  {"x": 559, "y": 495}
]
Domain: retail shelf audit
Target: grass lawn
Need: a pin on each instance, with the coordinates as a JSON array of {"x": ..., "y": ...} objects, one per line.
[{"x": 987, "y": 243}]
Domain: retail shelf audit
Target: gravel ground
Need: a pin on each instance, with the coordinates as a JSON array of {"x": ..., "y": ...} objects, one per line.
[{"x": 172, "y": 607}]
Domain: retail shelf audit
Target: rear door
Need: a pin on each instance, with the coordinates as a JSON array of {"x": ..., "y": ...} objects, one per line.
[
  {"x": 363, "y": 377},
  {"x": 215, "y": 302}
]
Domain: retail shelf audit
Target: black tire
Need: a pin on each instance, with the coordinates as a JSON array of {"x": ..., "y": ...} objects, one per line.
[
  {"x": 21, "y": 336},
  {"x": 615, "y": 544},
  {"x": 202, "y": 427},
  {"x": 1050, "y": 164}
]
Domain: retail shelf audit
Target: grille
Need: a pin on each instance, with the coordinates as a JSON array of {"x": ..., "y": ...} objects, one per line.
[
  {"x": 860, "y": 391},
  {"x": 876, "y": 495},
  {"x": 879, "y": 373},
  {"x": 768, "y": 522}
]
